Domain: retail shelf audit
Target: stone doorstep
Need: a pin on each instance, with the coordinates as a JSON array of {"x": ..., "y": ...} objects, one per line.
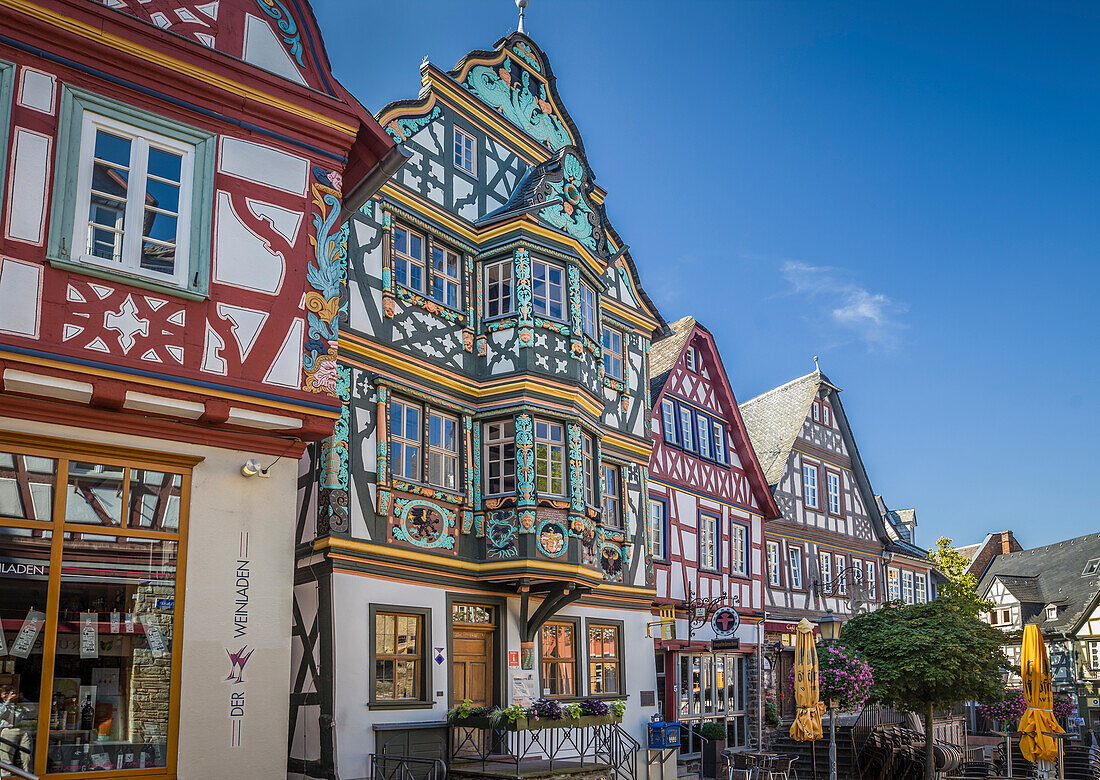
[{"x": 530, "y": 770}]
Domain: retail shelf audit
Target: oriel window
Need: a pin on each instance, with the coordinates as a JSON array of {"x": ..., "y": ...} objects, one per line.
[
  {"x": 549, "y": 458},
  {"x": 442, "y": 451},
  {"x": 613, "y": 353},
  {"x": 499, "y": 300},
  {"x": 499, "y": 443},
  {"x": 547, "y": 290},
  {"x": 612, "y": 500},
  {"x": 588, "y": 310},
  {"x": 405, "y": 432}
]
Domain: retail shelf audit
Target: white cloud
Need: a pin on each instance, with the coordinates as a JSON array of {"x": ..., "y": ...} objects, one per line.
[{"x": 873, "y": 318}]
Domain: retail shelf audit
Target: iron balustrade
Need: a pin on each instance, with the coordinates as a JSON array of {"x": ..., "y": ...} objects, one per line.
[
  {"x": 7, "y": 770},
  {"x": 397, "y": 767},
  {"x": 595, "y": 745}
]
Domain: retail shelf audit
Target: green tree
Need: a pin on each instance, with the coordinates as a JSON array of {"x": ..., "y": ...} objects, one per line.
[
  {"x": 962, "y": 586},
  {"x": 929, "y": 656}
]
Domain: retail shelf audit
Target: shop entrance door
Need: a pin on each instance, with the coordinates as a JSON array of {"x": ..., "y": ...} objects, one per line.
[
  {"x": 472, "y": 666},
  {"x": 786, "y": 695}
]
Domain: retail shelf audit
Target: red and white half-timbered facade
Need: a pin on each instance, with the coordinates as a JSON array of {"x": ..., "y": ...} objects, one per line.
[
  {"x": 174, "y": 176},
  {"x": 708, "y": 503}
]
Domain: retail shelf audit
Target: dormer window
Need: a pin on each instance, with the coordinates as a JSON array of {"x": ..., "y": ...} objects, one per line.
[
  {"x": 1091, "y": 567},
  {"x": 1052, "y": 612}
]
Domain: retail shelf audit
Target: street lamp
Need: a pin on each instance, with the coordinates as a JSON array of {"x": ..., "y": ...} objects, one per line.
[{"x": 830, "y": 632}]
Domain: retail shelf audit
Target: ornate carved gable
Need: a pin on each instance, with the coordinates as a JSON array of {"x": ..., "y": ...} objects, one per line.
[
  {"x": 564, "y": 183},
  {"x": 516, "y": 81}
]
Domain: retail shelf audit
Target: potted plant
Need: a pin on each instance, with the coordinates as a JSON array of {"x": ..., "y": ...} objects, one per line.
[
  {"x": 771, "y": 710},
  {"x": 715, "y": 736}
]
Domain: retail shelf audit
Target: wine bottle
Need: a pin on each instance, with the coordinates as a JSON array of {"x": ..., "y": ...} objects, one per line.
[{"x": 87, "y": 715}]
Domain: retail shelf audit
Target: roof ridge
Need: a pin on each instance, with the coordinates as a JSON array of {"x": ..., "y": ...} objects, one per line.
[{"x": 786, "y": 384}]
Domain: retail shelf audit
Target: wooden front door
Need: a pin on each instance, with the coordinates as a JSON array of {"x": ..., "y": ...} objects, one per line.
[
  {"x": 787, "y": 704},
  {"x": 472, "y": 665}
]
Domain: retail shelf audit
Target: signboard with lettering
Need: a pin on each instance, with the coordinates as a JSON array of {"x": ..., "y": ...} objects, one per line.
[
  {"x": 28, "y": 633},
  {"x": 524, "y": 688},
  {"x": 513, "y": 659},
  {"x": 719, "y": 645}
]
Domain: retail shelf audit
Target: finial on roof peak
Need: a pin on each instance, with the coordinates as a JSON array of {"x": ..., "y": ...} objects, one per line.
[
  {"x": 521, "y": 4},
  {"x": 816, "y": 366}
]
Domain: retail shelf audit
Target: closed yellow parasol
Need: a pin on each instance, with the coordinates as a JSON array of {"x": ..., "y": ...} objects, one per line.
[
  {"x": 807, "y": 724},
  {"x": 1039, "y": 715}
]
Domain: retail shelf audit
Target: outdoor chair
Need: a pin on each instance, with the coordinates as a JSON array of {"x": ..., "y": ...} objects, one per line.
[
  {"x": 740, "y": 767},
  {"x": 781, "y": 767}
]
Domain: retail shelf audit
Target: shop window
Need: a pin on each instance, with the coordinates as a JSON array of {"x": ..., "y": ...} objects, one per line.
[
  {"x": 604, "y": 660},
  {"x": 499, "y": 442},
  {"x": 559, "y": 659},
  {"x": 104, "y": 661},
  {"x": 446, "y": 276},
  {"x": 499, "y": 300},
  {"x": 549, "y": 458},
  {"x": 612, "y": 496},
  {"x": 613, "y": 353},
  {"x": 547, "y": 290},
  {"x": 397, "y": 657}
]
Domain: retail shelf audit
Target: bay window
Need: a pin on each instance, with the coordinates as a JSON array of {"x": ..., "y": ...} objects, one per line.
[
  {"x": 549, "y": 458},
  {"x": 613, "y": 353},
  {"x": 547, "y": 289},
  {"x": 612, "y": 499},
  {"x": 589, "y": 467},
  {"x": 588, "y": 311},
  {"x": 442, "y": 450},
  {"x": 499, "y": 292},
  {"x": 499, "y": 445},
  {"x": 405, "y": 440}
]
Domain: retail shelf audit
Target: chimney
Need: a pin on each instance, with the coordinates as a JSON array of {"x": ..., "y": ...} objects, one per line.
[{"x": 1006, "y": 542}]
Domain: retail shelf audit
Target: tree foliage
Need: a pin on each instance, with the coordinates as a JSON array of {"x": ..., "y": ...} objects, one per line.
[
  {"x": 929, "y": 656},
  {"x": 962, "y": 586}
]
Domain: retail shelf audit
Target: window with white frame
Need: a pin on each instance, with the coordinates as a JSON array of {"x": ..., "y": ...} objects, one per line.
[
  {"x": 499, "y": 444},
  {"x": 719, "y": 441},
  {"x": 613, "y": 353},
  {"x": 442, "y": 450},
  {"x": 465, "y": 151},
  {"x": 687, "y": 433},
  {"x": 1052, "y": 612},
  {"x": 826, "y": 416},
  {"x": 446, "y": 276},
  {"x": 405, "y": 440},
  {"x": 739, "y": 562},
  {"x": 708, "y": 542},
  {"x": 1094, "y": 655},
  {"x": 704, "y": 435},
  {"x": 842, "y": 575},
  {"x": 832, "y": 481},
  {"x": 794, "y": 557},
  {"x": 774, "y": 573},
  {"x": 657, "y": 529},
  {"x": 893, "y": 588},
  {"x": 668, "y": 421},
  {"x": 408, "y": 258},
  {"x": 825, "y": 561},
  {"x": 920, "y": 587},
  {"x": 588, "y": 311},
  {"x": 134, "y": 193},
  {"x": 612, "y": 496},
  {"x": 907, "y": 587},
  {"x": 871, "y": 578},
  {"x": 817, "y": 411},
  {"x": 549, "y": 458},
  {"x": 547, "y": 289},
  {"x": 589, "y": 448},
  {"x": 809, "y": 485},
  {"x": 499, "y": 300},
  {"x": 691, "y": 359}
]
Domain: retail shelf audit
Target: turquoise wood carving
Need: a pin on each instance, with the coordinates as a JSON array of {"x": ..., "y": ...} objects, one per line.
[{"x": 514, "y": 99}]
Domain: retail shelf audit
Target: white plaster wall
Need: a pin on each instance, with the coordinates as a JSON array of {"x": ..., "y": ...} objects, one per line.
[
  {"x": 352, "y": 596},
  {"x": 224, "y": 504}
]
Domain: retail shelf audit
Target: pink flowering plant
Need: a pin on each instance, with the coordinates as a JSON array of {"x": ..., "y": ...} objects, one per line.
[
  {"x": 1065, "y": 705},
  {"x": 1007, "y": 711},
  {"x": 843, "y": 676}
]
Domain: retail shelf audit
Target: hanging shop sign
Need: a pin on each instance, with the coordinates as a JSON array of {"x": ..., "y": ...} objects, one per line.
[{"x": 725, "y": 622}]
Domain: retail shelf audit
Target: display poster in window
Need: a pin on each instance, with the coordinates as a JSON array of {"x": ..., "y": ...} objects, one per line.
[
  {"x": 129, "y": 623},
  {"x": 524, "y": 688},
  {"x": 3, "y": 642},
  {"x": 28, "y": 633},
  {"x": 153, "y": 635},
  {"x": 89, "y": 635},
  {"x": 116, "y": 622}
]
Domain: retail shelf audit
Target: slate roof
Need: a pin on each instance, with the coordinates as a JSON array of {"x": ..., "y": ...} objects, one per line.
[
  {"x": 774, "y": 419},
  {"x": 663, "y": 354},
  {"x": 1050, "y": 575},
  {"x": 971, "y": 550}
]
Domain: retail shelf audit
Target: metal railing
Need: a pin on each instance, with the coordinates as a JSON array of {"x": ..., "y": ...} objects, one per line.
[
  {"x": 395, "y": 767},
  {"x": 619, "y": 750}
]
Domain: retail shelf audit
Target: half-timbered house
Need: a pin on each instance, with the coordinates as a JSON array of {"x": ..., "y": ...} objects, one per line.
[
  {"x": 833, "y": 548},
  {"x": 172, "y": 177},
  {"x": 1056, "y": 587},
  {"x": 477, "y": 524},
  {"x": 708, "y": 500}
]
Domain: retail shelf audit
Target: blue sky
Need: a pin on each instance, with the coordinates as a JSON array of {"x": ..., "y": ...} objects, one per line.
[{"x": 909, "y": 190}]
